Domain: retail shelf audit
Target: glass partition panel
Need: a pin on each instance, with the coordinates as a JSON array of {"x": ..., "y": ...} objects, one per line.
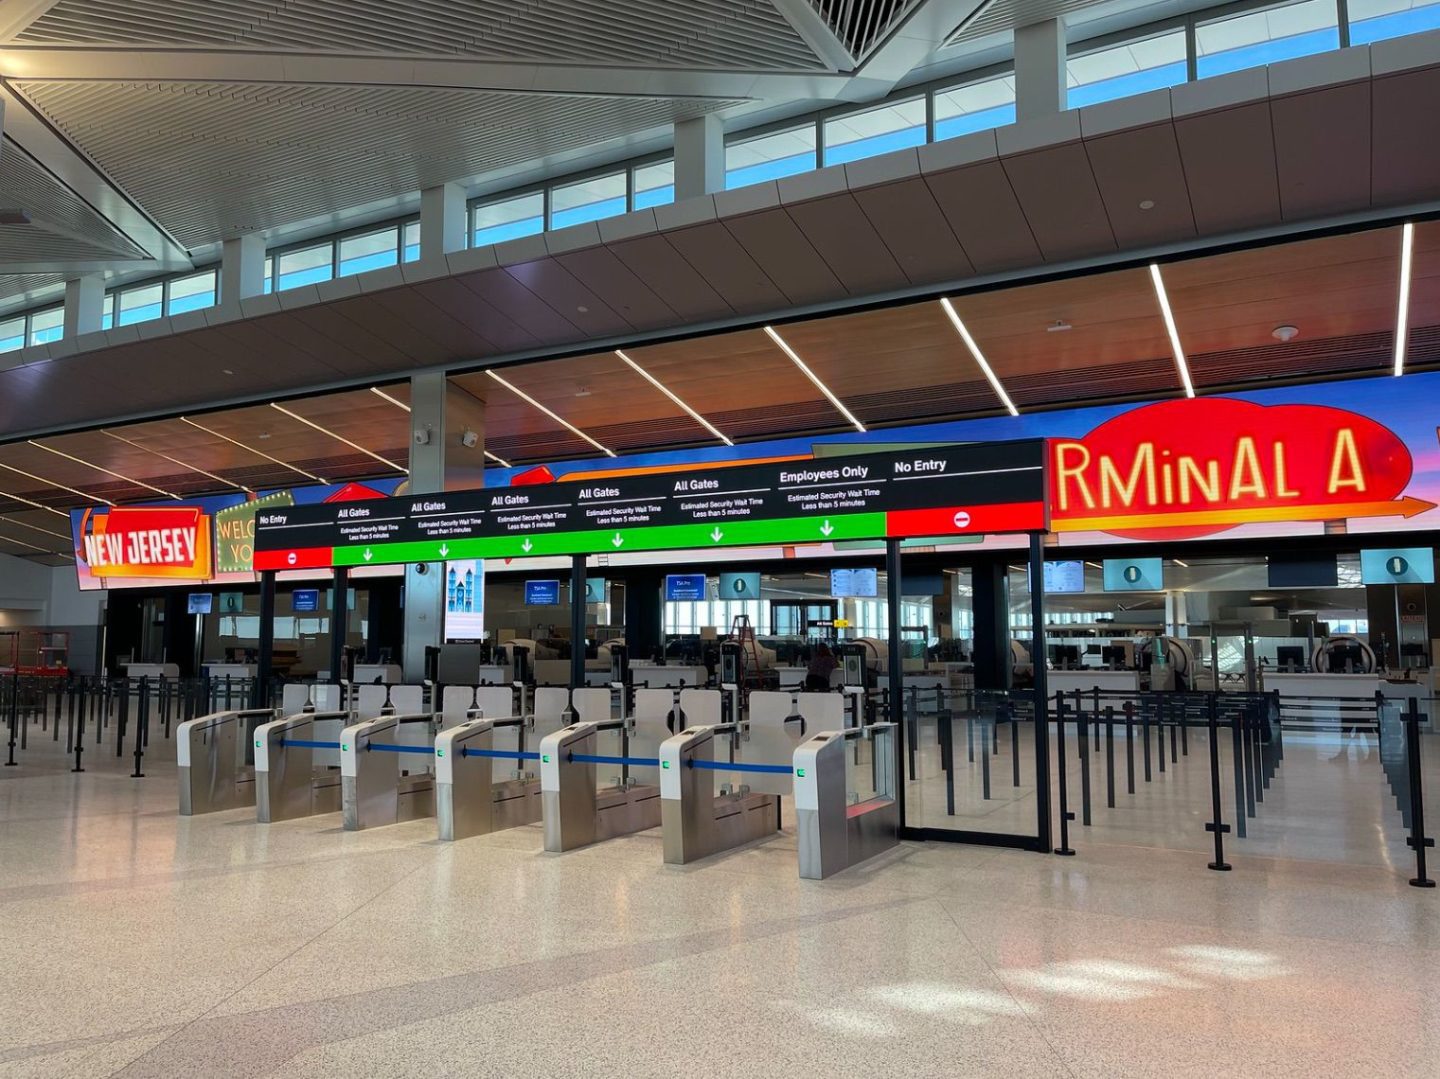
[
  {"x": 507, "y": 219},
  {"x": 1128, "y": 69}
]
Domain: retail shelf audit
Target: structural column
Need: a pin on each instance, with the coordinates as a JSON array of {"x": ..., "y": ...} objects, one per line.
[
  {"x": 1040, "y": 82},
  {"x": 699, "y": 157},
  {"x": 266, "y": 650},
  {"x": 84, "y": 304},
  {"x": 442, "y": 222},
  {"x": 447, "y": 450},
  {"x": 242, "y": 270}
]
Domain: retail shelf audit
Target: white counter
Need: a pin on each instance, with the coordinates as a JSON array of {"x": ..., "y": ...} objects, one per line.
[
  {"x": 152, "y": 670},
  {"x": 230, "y": 670},
  {"x": 1089, "y": 678},
  {"x": 670, "y": 674}
]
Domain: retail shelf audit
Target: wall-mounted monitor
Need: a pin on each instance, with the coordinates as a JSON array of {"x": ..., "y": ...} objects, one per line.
[
  {"x": 1061, "y": 577},
  {"x": 305, "y": 600},
  {"x": 1398, "y": 565},
  {"x": 465, "y": 600},
  {"x": 1310, "y": 570},
  {"x": 542, "y": 593},
  {"x": 739, "y": 586},
  {"x": 859, "y": 583},
  {"x": 594, "y": 590},
  {"x": 1134, "y": 574},
  {"x": 684, "y": 587},
  {"x": 200, "y": 602}
]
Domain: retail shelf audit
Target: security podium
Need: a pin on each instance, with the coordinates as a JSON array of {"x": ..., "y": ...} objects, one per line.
[{"x": 845, "y": 803}]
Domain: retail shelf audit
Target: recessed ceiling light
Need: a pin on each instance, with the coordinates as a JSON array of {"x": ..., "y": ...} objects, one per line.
[
  {"x": 1147, "y": 204},
  {"x": 1285, "y": 333},
  {"x": 1058, "y": 326},
  {"x": 226, "y": 371},
  {"x": 583, "y": 309}
]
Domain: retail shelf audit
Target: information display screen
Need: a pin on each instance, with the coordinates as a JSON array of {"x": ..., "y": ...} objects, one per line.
[
  {"x": 1134, "y": 574},
  {"x": 465, "y": 600},
  {"x": 984, "y": 488},
  {"x": 1061, "y": 577},
  {"x": 542, "y": 593},
  {"x": 1398, "y": 565},
  {"x": 200, "y": 602},
  {"x": 305, "y": 600},
  {"x": 861, "y": 583},
  {"x": 739, "y": 586},
  {"x": 684, "y": 587},
  {"x": 594, "y": 590}
]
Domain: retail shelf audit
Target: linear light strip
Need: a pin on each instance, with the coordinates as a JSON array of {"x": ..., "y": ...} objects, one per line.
[
  {"x": 37, "y": 505},
  {"x": 52, "y": 483},
  {"x": 401, "y": 404},
  {"x": 563, "y": 423},
  {"x": 340, "y": 438},
  {"x": 648, "y": 377},
  {"x": 36, "y": 528},
  {"x": 251, "y": 449},
  {"x": 181, "y": 464},
  {"x": 1180, "y": 363},
  {"x": 1402, "y": 316},
  {"x": 812, "y": 377},
  {"x": 979, "y": 356},
  {"x": 393, "y": 400},
  {"x": 98, "y": 468}
]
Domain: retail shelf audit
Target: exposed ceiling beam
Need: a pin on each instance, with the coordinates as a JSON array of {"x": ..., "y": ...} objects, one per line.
[
  {"x": 17, "y": 15},
  {"x": 808, "y": 23},
  {"x": 43, "y": 143}
]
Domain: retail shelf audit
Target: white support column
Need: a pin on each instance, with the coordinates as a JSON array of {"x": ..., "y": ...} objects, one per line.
[
  {"x": 442, "y": 221},
  {"x": 84, "y": 304},
  {"x": 442, "y": 419},
  {"x": 242, "y": 270},
  {"x": 699, "y": 157},
  {"x": 1040, "y": 80}
]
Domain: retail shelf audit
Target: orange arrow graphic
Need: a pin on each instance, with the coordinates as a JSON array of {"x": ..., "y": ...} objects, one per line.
[{"x": 1126, "y": 522}]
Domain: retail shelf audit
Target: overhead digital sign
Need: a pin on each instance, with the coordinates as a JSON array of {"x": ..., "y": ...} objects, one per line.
[
  {"x": 739, "y": 585},
  {"x": 157, "y": 542},
  {"x": 542, "y": 593},
  {"x": 684, "y": 587},
  {"x": 955, "y": 490},
  {"x": 862, "y": 583},
  {"x": 1134, "y": 574},
  {"x": 1405, "y": 565}
]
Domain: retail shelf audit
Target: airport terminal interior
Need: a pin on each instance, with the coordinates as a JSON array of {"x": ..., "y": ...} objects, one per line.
[{"x": 719, "y": 537}]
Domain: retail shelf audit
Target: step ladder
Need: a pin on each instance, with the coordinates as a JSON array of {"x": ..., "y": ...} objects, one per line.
[{"x": 744, "y": 633}]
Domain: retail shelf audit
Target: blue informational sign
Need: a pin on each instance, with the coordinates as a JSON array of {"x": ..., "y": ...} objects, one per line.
[
  {"x": 594, "y": 589},
  {"x": 684, "y": 587},
  {"x": 200, "y": 603},
  {"x": 739, "y": 586},
  {"x": 1134, "y": 574},
  {"x": 858, "y": 583},
  {"x": 1398, "y": 565},
  {"x": 542, "y": 593},
  {"x": 305, "y": 600}
]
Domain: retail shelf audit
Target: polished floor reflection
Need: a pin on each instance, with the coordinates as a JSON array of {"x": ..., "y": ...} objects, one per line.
[{"x": 136, "y": 943}]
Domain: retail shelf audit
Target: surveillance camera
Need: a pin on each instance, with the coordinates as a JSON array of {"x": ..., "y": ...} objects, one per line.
[
  {"x": 422, "y": 437},
  {"x": 469, "y": 440}
]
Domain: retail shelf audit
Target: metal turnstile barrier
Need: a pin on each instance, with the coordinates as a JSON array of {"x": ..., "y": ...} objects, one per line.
[
  {"x": 834, "y": 832},
  {"x": 575, "y": 813},
  {"x": 697, "y": 822},
  {"x": 294, "y": 776},
  {"x": 214, "y": 760},
  {"x": 471, "y": 796},
  {"x": 381, "y": 782}
]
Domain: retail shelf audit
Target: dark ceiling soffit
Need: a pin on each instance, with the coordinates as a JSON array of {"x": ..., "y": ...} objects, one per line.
[{"x": 1180, "y": 251}]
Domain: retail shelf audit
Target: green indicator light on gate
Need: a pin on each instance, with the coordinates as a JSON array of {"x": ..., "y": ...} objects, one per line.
[
  {"x": 344, "y": 747},
  {"x": 257, "y": 743},
  {"x": 800, "y": 772},
  {"x": 439, "y": 753},
  {"x": 545, "y": 759},
  {"x": 664, "y": 764}
]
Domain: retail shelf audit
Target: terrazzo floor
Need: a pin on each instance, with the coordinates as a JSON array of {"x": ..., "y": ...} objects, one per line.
[{"x": 137, "y": 943}]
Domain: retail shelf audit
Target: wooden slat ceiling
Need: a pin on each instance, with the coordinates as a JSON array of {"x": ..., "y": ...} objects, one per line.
[{"x": 894, "y": 365}]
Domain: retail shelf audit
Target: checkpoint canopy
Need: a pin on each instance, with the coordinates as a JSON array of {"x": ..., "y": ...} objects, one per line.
[{"x": 974, "y": 489}]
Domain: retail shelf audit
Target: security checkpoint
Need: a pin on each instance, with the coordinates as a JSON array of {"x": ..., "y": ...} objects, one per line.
[
  {"x": 216, "y": 769},
  {"x": 597, "y": 761}
]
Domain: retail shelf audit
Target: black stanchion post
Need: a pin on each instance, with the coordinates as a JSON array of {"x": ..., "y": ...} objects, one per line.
[
  {"x": 1237, "y": 767},
  {"x": 1130, "y": 747},
  {"x": 1216, "y": 826},
  {"x": 1145, "y": 739},
  {"x": 912, "y": 720},
  {"x": 1110, "y": 756},
  {"x": 1082, "y": 729},
  {"x": 14, "y": 717},
  {"x": 142, "y": 726},
  {"x": 122, "y": 722},
  {"x": 1418, "y": 839},
  {"x": 985, "y": 759},
  {"x": 945, "y": 731},
  {"x": 1065, "y": 815},
  {"x": 1015, "y": 743}
]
